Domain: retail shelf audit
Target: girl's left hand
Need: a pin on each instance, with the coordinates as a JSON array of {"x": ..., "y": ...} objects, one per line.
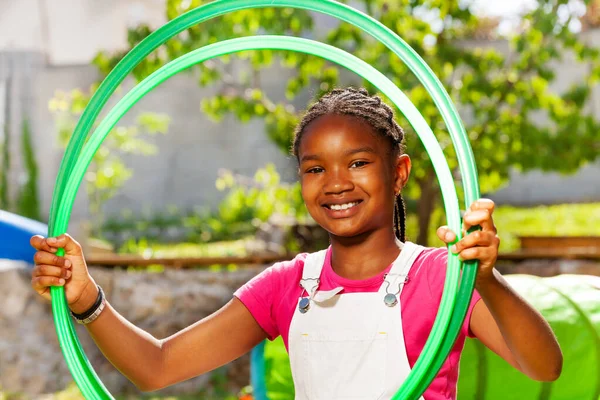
[{"x": 480, "y": 245}]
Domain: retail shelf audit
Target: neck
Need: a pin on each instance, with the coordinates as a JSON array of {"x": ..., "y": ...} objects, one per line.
[{"x": 364, "y": 256}]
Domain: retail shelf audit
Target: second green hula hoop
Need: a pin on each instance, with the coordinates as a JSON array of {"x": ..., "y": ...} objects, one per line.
[{"x": 440, "y": 330}]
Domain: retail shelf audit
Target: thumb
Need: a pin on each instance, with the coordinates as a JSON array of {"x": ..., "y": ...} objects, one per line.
[
  {"x": 66, "y": 242},
  {"x": 445, "y": 234}
]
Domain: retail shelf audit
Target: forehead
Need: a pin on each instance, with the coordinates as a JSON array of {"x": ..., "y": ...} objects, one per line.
[{"x": 334, "y": 131}]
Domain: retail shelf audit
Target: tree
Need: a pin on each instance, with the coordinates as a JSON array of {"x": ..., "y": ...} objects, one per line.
[{"x": 499, "y": 93}]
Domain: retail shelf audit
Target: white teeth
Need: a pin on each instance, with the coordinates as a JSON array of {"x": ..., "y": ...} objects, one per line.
[{"x": 338, "y": 207}]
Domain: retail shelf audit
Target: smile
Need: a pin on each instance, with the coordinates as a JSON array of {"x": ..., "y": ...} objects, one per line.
[{"x": 339, "y": 207}]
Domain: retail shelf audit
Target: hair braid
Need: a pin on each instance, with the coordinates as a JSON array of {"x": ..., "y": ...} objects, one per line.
[
  {"x": 400, "y": 218},
  {"x": 358, "y": 103}
]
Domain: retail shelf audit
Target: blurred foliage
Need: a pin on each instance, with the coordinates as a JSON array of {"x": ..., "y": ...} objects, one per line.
[
  {"x": 502, "y": 94},
  {"x": 4, "y": 167},
  {"x": 260, "y": 198},
  {"x": 248, "y": 202},
  {"x": 28, "y": 204},
  {"x": 107, "y": 173}
]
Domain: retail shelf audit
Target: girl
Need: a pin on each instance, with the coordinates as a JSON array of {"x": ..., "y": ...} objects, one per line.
[{"x": 354, "y": 317}]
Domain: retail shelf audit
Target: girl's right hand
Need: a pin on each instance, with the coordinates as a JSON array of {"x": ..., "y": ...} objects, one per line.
[{"x": 69, "y": 271}]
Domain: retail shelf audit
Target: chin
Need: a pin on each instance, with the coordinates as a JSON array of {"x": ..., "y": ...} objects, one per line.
[
  {"x": 344, "y": 228},
  {"x": 344, "y": 232}
]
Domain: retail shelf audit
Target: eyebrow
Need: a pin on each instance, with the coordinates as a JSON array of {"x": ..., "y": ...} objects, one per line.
[
  {"x": 349, "y": 152},
  {"x": 365, "y": 149}
]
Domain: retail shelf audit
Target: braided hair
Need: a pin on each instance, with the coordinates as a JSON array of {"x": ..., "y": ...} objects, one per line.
[{"x": 371, "y": 109}]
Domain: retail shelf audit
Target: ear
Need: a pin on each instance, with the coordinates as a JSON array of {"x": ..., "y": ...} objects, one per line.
[{"x": 402, "y": 172}]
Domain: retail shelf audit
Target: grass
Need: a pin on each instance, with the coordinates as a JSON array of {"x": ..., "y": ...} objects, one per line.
[
  {"x": 554, "y": 220},
  {"x": 185, "y": 250},
  {"x": 167, "y": 250},
  {"x": 559, "y": 220}
]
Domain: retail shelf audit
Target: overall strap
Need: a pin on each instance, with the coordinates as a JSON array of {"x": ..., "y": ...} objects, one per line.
[
  {"x": 398, "y": 274},
  {"x": 311, "y": 272}
]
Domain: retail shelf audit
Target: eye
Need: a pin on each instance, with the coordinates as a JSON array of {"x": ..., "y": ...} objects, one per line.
[
  {"x": 358, "y": 164},
  {"x": 314, "y": 170}
]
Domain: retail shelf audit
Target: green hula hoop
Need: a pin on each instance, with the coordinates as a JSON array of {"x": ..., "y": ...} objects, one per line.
[{"x": 449, "y": 318}]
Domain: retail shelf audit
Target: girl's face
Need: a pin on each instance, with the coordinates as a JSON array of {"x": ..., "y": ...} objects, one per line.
[{"x": 349, "y": 175}]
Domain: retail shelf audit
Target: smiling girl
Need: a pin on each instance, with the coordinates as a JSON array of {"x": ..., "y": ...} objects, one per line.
[{"x": 354, "y": 317}]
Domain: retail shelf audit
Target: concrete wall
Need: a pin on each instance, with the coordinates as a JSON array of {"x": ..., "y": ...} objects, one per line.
[
  {"x": 71, "y": 32},
  {"x": 551, "y": 188}
]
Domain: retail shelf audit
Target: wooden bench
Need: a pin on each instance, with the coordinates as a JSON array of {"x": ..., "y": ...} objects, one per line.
[{"x": 556, "y": 247}]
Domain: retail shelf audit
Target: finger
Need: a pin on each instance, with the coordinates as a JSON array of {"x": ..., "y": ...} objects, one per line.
[
  {"x": 474, "y": 239},
  {"x": 479, "y": 204},
  {"x": 446, "y": 234},
  {"x": 476, "y": 253},
  {"x": 39, "y": 242},
  {"x": 66, "y": 242},
  {"x": 483, "y": 204},
  {"x": 42, "y": 282},
  {"x": 43, "y": 257},
  {"x": 481, "y": 217},
  {"x": 44, "y": 291},
  {"x": 51, "y": 270}
]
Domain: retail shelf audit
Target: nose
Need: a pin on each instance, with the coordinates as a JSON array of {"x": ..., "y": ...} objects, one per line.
[{"x": 337, "y": 182}]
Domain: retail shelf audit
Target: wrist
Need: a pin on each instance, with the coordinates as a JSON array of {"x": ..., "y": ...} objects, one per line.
[
  {"x": 94, "y": 312},
  {"x": 86, "y": 300},
  {"x": 486, "y": 279}
]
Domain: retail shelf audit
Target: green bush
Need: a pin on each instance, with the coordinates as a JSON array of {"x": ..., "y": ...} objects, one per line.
[
  {"x": 248, "y": 202},
  {"x": 259, "y": 199}
]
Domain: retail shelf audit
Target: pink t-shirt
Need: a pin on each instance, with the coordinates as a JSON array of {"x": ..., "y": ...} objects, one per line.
[{"x": 272, "y": 298}]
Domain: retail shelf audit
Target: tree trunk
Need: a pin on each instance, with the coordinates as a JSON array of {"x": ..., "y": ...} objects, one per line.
[{"x": 425, "y": 206}]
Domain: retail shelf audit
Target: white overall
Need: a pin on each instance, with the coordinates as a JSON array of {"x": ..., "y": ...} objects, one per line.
[{"x": 350, "y": 346}]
